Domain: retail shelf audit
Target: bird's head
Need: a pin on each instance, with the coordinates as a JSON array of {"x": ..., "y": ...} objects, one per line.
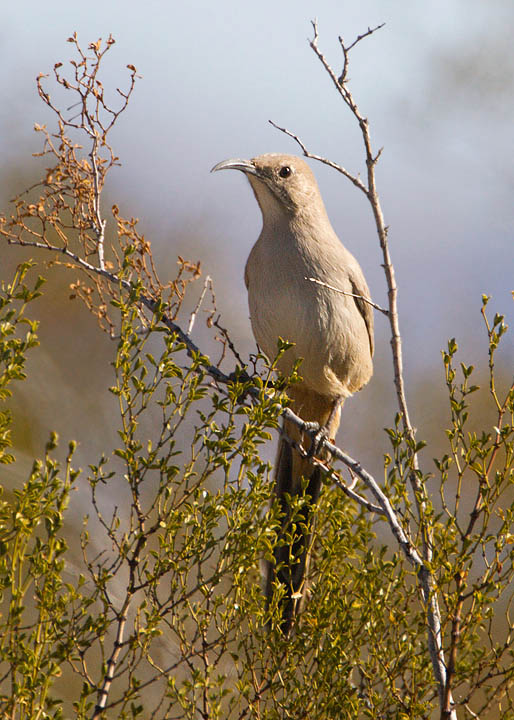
[{"x": 281, "y": 183}]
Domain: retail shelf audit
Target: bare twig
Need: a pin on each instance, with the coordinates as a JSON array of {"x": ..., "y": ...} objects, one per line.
[
  {"x": 207, "y": 283},
  {"x": 355, "y": 179},
  {"x": 349, "y": 294},
  {"x": 368, "y": 32},
  {"x": 103, "y": 692},
  {"x": 99, "y": 221},
  {"x": 227, "y": 342},
  {"x": 470, "y": 711},
  {"x": 346, "y": 49}
]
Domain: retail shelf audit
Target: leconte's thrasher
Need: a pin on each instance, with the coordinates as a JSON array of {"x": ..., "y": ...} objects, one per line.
[{"x": 332, "y": 333}]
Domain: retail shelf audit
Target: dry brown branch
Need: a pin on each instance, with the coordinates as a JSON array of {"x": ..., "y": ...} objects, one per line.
[{"x": 65, "y": 216}]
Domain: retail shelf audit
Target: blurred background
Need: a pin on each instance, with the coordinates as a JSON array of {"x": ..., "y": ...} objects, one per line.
[{"x": 437, "y": 85}]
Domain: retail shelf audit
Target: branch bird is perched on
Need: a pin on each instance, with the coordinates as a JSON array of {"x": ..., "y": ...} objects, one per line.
[{"x": 332, "y": 332}]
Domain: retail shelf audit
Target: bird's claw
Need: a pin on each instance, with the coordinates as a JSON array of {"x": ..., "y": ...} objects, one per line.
[{"x": 318, "y": 439}]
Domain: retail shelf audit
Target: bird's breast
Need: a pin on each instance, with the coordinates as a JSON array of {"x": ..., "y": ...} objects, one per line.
[{"x": 328, "y": 331}]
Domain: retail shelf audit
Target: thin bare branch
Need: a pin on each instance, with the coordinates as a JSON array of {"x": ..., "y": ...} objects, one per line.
[
  {"x": 349, "y": 294},
  {"x": 368, "y": 32},
  {"x": 207, "y": 283},
  {"x": 346, "y": 50},
  {"x": 353, "y": 178}
]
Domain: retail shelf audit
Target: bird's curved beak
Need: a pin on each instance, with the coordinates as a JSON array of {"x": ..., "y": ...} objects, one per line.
[{"x": 245, "y": 166}]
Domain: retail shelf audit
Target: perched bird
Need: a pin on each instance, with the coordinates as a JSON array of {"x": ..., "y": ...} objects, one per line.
[{"x": 332, "y": 334}]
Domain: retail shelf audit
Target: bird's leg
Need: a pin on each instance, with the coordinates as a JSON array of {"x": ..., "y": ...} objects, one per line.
[
  {"x": 324, "y": 431},
  {"x": 336, "y": 407}
]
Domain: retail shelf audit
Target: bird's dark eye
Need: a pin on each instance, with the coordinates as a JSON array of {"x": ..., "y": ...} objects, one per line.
[{"x": 285, "y": 171}]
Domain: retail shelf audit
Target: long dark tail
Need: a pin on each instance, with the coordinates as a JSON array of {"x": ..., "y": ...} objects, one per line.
[{"x": 294, "y": 476}]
